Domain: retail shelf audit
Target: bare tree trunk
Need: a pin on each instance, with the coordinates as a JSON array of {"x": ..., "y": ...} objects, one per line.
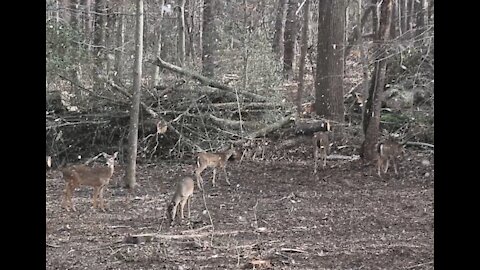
[
  {"x": 158, "y": 47},
  {"x": 189, "y": 24},
  {"x": 181, "y": 33},
  {"x": 420, "y": 23},
  {"x": 98, "y": 43},
  {"x": 130, "y": 179},
  {"x": 393, "y": 25},
  {"x": 208, "y": 36},
  {"x": 330, "y": 46},
  {"x": 303, "y": 54},
  {"x": 290, "y": 35},
  {"x": 87, "y": 22},
  {"x": 403, "y": 15},
  {"x": 430, "y": 11},
  {"x": 279, "y": 28},
  {"x": 410, "y": 14},
  {"x": 371, "y": 124},
  {"x": 363, "y": 57},
  {"x": 120, "y": 40},
  {"x": 109, "y": 39}
]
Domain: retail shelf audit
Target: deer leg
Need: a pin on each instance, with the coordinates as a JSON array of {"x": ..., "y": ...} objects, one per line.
[
  {"x": 315, "y": 157},
  {"x": 214, "y": 173},
  {"x": 379, "y": 165},
  {"x": 226, "y": 175},
  {"x": 188, "y": 205},
  {"x": 386, "y": 166},
  {"x": 102, "y": 206},
  {"x": 394, "y": 161},
  {"x": 173, "y": 213},
  {"x": 65, "y": 203},
  {"x": 182, "y": 206},
  {"x": 324, "y": 159},
  {"x": 198, "y": 173},
  {"x": 96, "y": 191}
]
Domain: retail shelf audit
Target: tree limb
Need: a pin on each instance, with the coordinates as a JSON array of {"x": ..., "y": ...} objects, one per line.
[{"x": 207, "y": 81}]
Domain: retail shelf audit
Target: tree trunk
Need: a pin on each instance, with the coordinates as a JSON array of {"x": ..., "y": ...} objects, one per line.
[
  {"x": 135, "y": 110},
  {"x": 98, "y": 43},
  {"x": 158, "y": 47},
  {"x": 430, "y": 12},
  {"x": 120, "y": 40},
  {"x": 393, "y": 25},
  {"x": 371, "y": 120},
  {"x": 330, "y": 46},
  {"x": 181, "y": 33},
  {"x": 403, "y": 15},
  {"x": 303, "y": 54},
  {"x": 410, "y": 14},
  {"x": 87, "y": 22},
  {"x": 109, "y": 39},
  {"x": 279, "y": 29},
  {"x": 420, "y": 23},
  {"x": 363, "y": 57},
  {"x": 289, "y": 39},
  {"x": 189, "y": 24},
  {"x": 208, "y": 42}
]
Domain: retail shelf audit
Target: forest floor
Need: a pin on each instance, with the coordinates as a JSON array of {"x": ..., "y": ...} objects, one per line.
[{"x": 275, "y": 215}]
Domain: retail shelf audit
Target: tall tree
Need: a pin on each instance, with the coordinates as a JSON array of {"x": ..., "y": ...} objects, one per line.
[
  {"x": 330, "y": 53},
  {"x": 208, "y": 38},
  {"x": 371, "y": 118},
  {"x": 303, "y": 54},
  {"x": 290, "y": 35},
  {"x": 119, "y": 41},
  {"x": 87, "y": 22},
  {"x": 158, "y": 47},
  {"x": 181, "y": 33},
  {"x": 130, "y": 179},
  {"x": 98, "y": 43},
  {"x": 279, "y": 28},
  {"x": 420, "y": 11}
]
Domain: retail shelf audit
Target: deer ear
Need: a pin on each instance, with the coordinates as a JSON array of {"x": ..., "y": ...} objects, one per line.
[{"x": 115, "y": 155}]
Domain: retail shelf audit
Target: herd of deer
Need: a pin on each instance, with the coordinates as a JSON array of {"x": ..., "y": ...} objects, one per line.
[{"x": 99, "y": 177}]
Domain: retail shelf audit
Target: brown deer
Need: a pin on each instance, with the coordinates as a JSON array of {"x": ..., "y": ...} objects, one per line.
[
  {"x": 182, "y": 196},
  {"x": 388, "y": 150},
  {"x": 82, "y": 175},
  {"x": 213, "y": 160},
  {"x": 321, "y": 147}
]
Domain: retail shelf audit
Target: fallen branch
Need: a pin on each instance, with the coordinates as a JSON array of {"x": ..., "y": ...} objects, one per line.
[
  {"x": 183, "y": 236},
  {"x": 204, "y": 80},
  {"x": 264, "y": 131},
  {"x": 420, "y": 144}
]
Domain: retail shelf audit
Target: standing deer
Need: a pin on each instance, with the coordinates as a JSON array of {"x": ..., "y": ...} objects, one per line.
[
  {"x": 388, "y": 150},
  {"x": 321, "y": 147},
  {"x": 182, "y": 196},
  {"x": 213, "y": 160},
  {"x": 81, "y": 175}
]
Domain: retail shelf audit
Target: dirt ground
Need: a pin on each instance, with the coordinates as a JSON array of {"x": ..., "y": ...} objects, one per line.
[{"x": 275, "y": 215}]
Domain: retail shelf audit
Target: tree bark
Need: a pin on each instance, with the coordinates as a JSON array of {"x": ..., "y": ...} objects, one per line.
[
  {"x": 330, "y": 68},
  {"x": 181, "y": 33},
  {"x": 371, "y": 124},
  {"x": 303, "y": 54},
  {"x": 98, "y": 43},
  {"x": 279, "y": 29},
  {"x": 120, "y": 40},
  {"x": 289, "y": 39},
  {"x": 130, "y": 179},
  {"x": 208, "y": 42},
  {"x": 420, "y": 23},
  {"x": 158, "y": 47}
]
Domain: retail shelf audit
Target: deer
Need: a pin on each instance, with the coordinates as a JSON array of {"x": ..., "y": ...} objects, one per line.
[
  {"x": 182, "y": 196},
  {"x": 213, "y": 160},
  {"x": 82, "y": 175},
  {"x": 321, "y": 147},
  {"x": 388, "y": 150}
]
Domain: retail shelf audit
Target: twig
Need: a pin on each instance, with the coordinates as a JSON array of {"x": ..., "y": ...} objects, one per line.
[
  {"x": 52, "y": 245},
  {"x": 420, "y": 144},
  {"x": 417, "y": 265},
  {"x": 292, "y": 250}
]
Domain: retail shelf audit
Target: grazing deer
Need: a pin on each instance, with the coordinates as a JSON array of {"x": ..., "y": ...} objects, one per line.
[
  {"x": 213, "y": 160},
  {"x": 321, "y": 147},
  {"x": 388, "y": 150},
  {"x": 81, "y": 175},
  {"x": 182, "y": 196}
]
